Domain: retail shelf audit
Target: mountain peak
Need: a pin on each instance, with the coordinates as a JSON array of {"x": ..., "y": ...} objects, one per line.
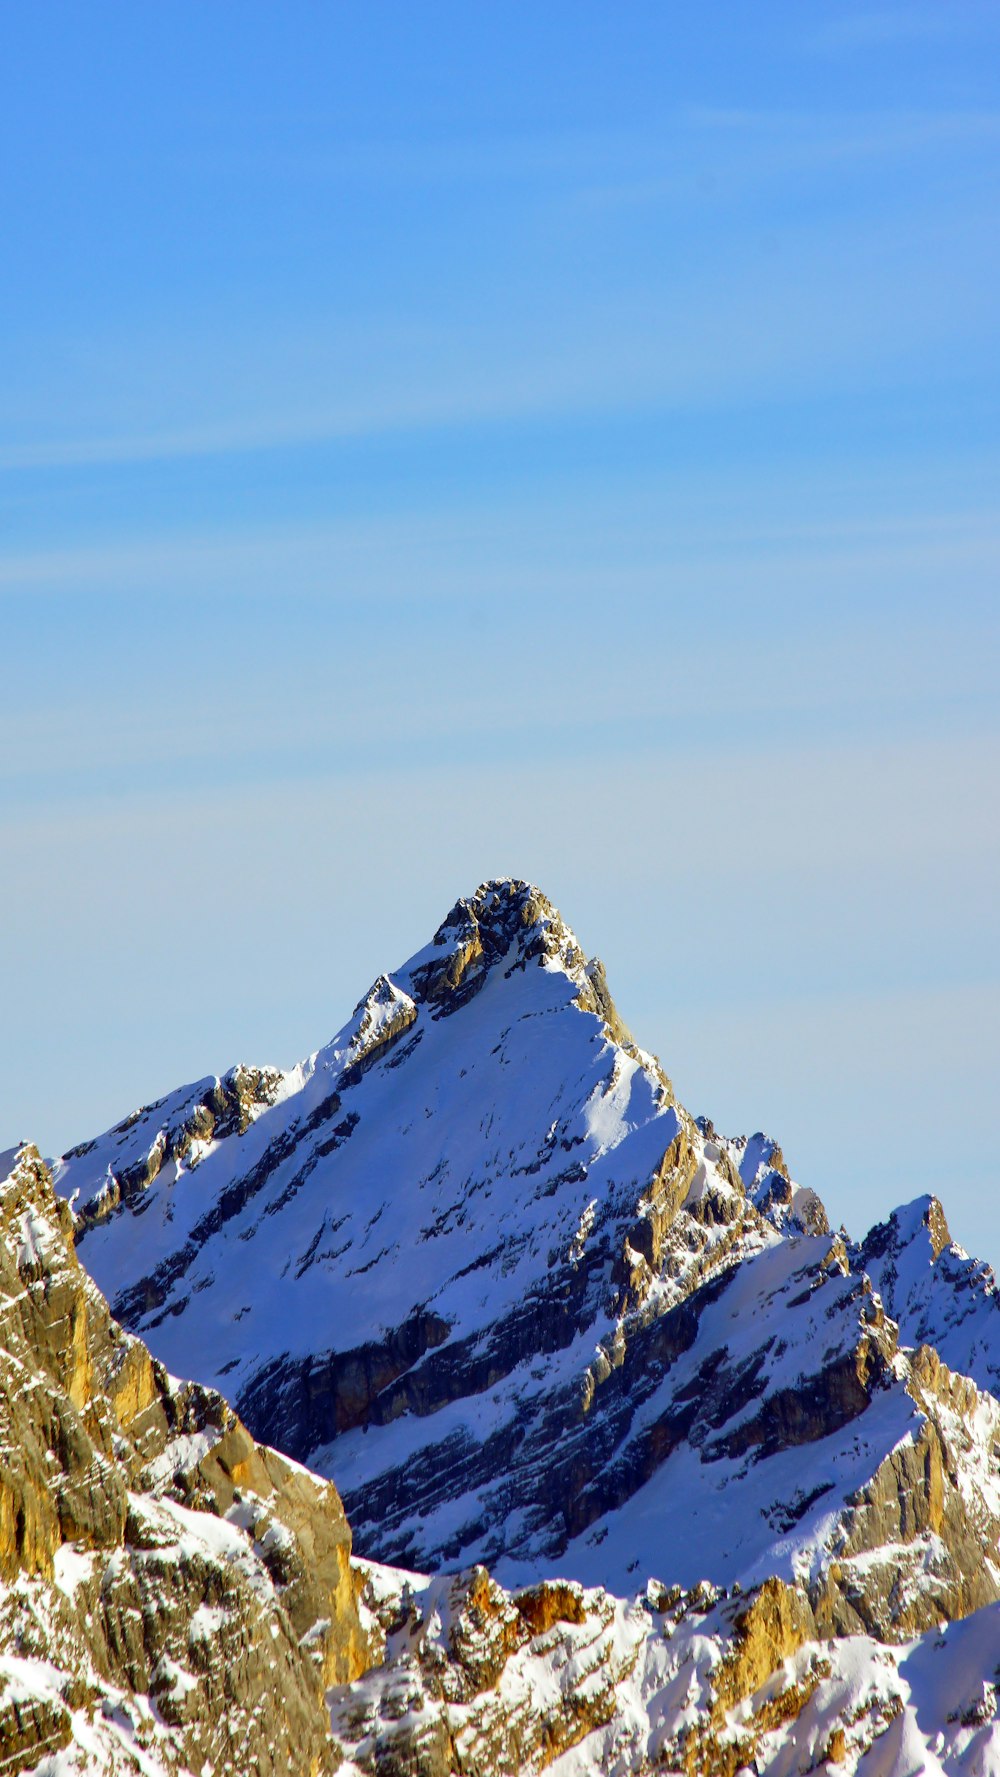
[
  {"x": 496, "y": 897},
  {"x": 907, "y": 1224},
  {"x": 506, "y": 921},
  {"x": 510, "y": 923}
]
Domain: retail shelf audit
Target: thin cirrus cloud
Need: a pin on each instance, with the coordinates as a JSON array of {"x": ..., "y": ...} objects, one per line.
[
  {"x": 698, "y": 346},
  {"x": 725, "y": 151},
  {"x": 438, "y": 555},
  {"x": 779, "y": 140},
  {"x": 369, "y": 660}
]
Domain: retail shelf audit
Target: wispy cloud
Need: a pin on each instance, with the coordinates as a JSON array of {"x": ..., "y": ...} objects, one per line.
[
  {"x": 275, "y": 431},
  {"x": 798, "y": 311},
  {"x": 356, "y": 648},
  {"x": 882, "y": 130},
  {"x": 515, "y": 157},
  {"x": 784, "y": 295},
  {"x": 480, "y": 547},
  {"x": 890, "y": 25}
]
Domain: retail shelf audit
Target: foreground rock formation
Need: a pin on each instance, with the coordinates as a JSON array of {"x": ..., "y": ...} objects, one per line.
[
  {"x": 172, "y": 1596},
  {"x": 489, "y": 1684}
]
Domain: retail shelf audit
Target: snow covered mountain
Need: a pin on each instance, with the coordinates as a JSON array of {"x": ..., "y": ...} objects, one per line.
[{"x": 475, "y": 1263}]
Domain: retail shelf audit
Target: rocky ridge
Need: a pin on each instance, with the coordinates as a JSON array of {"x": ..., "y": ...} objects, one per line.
[
  {"x": 934, "y": 1291},
  {"x": 480, "y": 1681}
]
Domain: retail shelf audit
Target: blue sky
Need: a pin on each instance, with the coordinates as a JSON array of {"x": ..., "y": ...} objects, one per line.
[{"x": 444, "y": 441}]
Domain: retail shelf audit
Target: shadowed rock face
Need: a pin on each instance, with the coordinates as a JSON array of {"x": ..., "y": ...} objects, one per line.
[
  {"x": 473, "y": 1261},
  {"x": 173, "y": 1586}
]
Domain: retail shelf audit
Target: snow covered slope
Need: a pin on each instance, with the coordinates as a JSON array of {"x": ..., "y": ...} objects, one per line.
[{"x": 474, "y": 1262}]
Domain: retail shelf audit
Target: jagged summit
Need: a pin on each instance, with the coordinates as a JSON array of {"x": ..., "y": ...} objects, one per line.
[
  {"x": 506, "y": 927},
  {"x": 923, "y": 1217},
  {"x": 509, "y": 922},
  {"x": 506, "y": 911}
]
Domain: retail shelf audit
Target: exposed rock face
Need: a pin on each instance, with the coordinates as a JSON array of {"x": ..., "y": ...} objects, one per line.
[
  {"x": 473, "y": 1261},
  {"x": 792, "y": 1208},
  {"x": 172, "y": 1597}
]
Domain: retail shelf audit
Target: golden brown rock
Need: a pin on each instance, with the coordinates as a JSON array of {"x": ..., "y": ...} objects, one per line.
[{"x": 181, "y": 1564}]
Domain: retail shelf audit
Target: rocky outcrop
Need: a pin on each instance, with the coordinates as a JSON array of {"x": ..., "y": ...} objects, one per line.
[
  {"x": 920, "y": 1541},
  {"x": 477, "y": 1680},
  {"x": 491, "y": 1683},
  {"x": 172, "y": 1594},
  {"x": 174, "y": 1134}
]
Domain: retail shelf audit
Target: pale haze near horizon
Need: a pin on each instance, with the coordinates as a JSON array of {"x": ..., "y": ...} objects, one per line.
[{"x": 430, "y": 450}]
